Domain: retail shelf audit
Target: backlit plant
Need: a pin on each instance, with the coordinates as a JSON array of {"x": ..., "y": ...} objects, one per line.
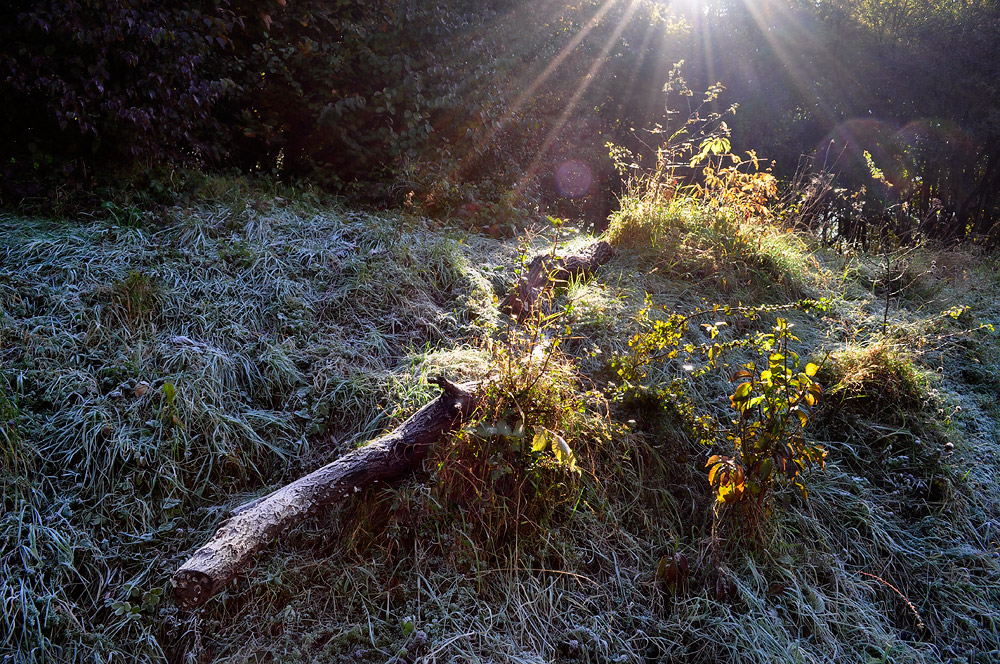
[
  {"x": 773, "y": 400},
  {"x": 741, "y": 186}
]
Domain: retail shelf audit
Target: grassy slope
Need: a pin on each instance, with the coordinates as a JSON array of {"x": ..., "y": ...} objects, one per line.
[{"x": 153, "y": 376}]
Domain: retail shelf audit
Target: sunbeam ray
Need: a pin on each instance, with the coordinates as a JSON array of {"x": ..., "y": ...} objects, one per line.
[{"x": 588, "y": 79}]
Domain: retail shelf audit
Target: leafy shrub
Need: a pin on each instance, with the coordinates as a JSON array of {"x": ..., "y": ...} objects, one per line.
[
  {"x": 741, "y": 187},
  {"x": 774, "y": 401},
  {"x": 515, "y": 470}
]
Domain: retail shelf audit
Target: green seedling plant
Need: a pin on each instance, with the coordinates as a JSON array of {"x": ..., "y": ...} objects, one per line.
[
  {"x": 773, "y": 400},
  {"x": 663, "y": 339},
  {"x": 138, "y": 603},
  {"x": 666, "y": 340},
  {"x": 170, "y": 414}
]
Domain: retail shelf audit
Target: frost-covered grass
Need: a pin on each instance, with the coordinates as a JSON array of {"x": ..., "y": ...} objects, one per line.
[
  {"x": 153, "y": 375},
  {"x": 157, "y": 374}
]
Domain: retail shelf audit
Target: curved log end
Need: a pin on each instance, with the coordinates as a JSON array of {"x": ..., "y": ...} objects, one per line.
[{"x": 191, "y": 587}]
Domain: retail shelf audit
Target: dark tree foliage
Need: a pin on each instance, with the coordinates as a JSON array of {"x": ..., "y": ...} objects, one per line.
[
  {"x": 455, "y": 103},
  {"x": 87, "y": 84},
  {"x": 346, "y": 90},
  {"x": 435, "y": 98},
  {"x": 912, "y": 83}
]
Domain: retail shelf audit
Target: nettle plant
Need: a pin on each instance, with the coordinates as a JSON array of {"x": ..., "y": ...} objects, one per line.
[{"x": 773, "y": 401}]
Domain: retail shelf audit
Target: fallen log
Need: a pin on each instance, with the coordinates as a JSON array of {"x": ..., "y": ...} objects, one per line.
[
  {"x": 255, "y": 524},
  {"x": 547, "y": 270}
]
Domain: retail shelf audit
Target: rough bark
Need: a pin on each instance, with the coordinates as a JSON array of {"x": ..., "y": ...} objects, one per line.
[
  {"x": 255, "y": 524},
  {"x": 547, "y": 270}
]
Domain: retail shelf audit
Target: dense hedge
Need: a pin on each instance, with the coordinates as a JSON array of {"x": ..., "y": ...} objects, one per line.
[
  {"x": 91, "y": 83},
  {"x": 447, "y": 102},
  {"x": 461, "y": 105}
]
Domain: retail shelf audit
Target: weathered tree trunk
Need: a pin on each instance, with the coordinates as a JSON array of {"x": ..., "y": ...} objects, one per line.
[
  {"x": 254, "y": 525},
  {"x": 546, "y": 270}
]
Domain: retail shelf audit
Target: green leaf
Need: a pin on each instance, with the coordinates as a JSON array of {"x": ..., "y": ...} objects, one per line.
[
  {"x": 662, "y": 568},
  {"x": 483, "y": 430}
]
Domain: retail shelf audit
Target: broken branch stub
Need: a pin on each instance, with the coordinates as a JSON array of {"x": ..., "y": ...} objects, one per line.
[{"x": 547, "y": 270}]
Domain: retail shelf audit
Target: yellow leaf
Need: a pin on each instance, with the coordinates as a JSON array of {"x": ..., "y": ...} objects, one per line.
[
  {"x": 712, "y": 473},
  {"x": 541, "y": 440}
]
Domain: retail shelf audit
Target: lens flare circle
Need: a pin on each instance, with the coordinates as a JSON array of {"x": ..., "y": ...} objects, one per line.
[{"x": 574, "y": 178}]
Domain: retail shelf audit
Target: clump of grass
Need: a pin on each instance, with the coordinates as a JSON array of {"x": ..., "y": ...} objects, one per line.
[
  {"x": 877, "y": 381},
  {"x": 735, "y": 257},
  {"x": 642, "y": 224},
  {"x": 14, "y": 454},
  {"x": 134, "y": 299}
]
